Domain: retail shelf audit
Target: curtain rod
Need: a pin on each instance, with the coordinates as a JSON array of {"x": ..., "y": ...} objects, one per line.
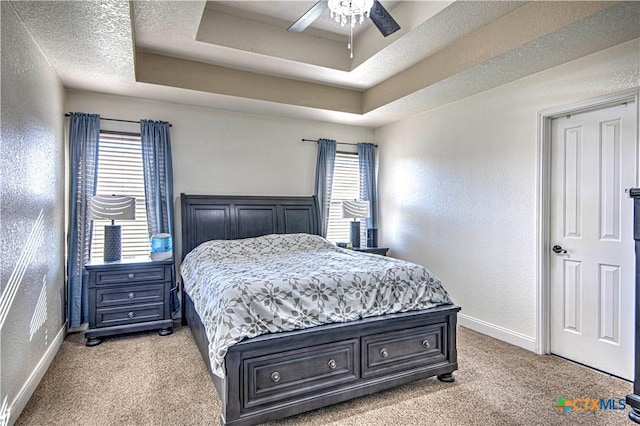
[
  {"x": 339, "y": 143},
  {"x": 116, "y": 119}
]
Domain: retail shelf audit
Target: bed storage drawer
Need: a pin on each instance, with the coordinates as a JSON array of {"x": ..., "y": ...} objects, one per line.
[
  {"x": 292, "y": 373},
  {"x": 401, "y": 350}
]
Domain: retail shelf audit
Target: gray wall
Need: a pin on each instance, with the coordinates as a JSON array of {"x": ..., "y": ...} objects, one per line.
[{"x": 31, "y": 214}]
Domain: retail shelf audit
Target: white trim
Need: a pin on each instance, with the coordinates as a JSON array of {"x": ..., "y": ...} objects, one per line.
[
  {"x": 543, "y": 190},
  {"x": 36, "y": 376},
  {"x": 497, "y": 332},
  {"x": 543, "y": 179}
]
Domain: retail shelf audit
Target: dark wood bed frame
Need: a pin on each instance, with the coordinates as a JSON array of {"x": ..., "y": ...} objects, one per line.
[
  {"x": 282, "y": 374},
  {"x": 633, "y": 399}
]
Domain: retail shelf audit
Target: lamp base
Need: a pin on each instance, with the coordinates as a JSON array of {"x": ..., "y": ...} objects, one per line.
[
  {"x": 355, "y": 233},
  {"x": 112, "y": 243}
]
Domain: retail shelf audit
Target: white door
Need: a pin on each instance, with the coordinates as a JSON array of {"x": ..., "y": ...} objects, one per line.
[{"x": 593, "y": 162}]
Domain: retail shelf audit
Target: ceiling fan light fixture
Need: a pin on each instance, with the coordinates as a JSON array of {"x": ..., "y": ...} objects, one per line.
[{"x": 351, "y": 11}]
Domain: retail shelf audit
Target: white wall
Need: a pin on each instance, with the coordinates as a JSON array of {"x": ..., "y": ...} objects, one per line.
[
  {"x": 228, "y": 153},
  {"x": 458, "y": 187},
  {"x": 32, "y": 289}
]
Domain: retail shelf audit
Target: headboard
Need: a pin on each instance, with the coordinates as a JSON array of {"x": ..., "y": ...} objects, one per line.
[{"x": 225, "y": 217}]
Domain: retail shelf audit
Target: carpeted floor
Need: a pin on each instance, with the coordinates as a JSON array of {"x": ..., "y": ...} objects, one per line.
[{"x": 145, "y": 379}]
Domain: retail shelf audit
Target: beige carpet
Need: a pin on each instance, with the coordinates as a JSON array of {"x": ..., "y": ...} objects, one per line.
[{"x": 145, "y": 379}]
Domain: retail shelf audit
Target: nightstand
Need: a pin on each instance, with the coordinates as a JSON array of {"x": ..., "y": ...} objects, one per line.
[
  {"x": 382, "y": 251},
  {"x": 127, "y": 296}
]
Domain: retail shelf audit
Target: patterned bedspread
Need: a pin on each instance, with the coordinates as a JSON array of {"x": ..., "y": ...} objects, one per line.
[{"x": 244, "y": 288}]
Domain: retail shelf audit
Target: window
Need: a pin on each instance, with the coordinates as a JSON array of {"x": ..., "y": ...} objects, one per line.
[
  {"x": 120, "y": 172},
  {"x": 346, "y": 186}
]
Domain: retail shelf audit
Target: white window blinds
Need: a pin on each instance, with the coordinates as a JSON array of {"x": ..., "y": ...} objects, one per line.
[
  {"x": 346, "y": 186},
  {"x": 120, "y": 172}
]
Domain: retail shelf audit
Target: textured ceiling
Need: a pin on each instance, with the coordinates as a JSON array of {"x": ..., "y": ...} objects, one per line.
[
  {"x": 237, "y": 55},
  {"x": 85, "y": 42}
]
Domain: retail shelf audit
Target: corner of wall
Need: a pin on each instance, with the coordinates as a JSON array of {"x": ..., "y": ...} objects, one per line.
[
  {"x": 22, "y": 398},
  {"x": 497, "y": 332}
]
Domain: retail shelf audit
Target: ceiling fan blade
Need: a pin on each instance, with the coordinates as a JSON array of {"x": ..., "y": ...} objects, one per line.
[
  {"x": 310, "y": 16},
  {"x": 381, "y": 18}
]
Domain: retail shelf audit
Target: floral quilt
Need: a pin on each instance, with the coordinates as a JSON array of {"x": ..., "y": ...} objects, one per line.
[{"x": 245, "y": 288}]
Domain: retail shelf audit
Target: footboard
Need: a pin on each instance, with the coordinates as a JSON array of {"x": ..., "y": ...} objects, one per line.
[{"x": 283, "y": 374}]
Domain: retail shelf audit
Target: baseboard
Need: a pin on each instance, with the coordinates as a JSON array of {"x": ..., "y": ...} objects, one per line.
[
  {"x": 497, "y": 332},
  {"x": 36, "y": 376}
]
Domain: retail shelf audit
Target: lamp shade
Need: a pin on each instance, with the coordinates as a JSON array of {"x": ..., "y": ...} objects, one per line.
[
  {"x": 355, "y": 209},
  {"x": 112, "y": 207}
]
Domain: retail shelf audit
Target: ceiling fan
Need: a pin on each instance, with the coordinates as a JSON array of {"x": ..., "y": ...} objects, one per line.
[{"x": 378, "y": 15}]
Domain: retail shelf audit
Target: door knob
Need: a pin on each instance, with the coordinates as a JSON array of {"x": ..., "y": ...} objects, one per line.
[{"x": 558, "y": 249}]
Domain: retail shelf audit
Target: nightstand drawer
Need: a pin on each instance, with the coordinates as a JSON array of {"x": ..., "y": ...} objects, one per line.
[
  {"x": 407, "y": 349},
  {"x": 137, "y": 294},
  {"x": 129, "y": 296},
  {"x": 106, "y": 317},
  {"x": 130, "y": 275}
]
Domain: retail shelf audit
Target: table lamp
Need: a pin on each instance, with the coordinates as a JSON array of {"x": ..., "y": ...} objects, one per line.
[
  {"x": 112, "y": 207},
  {"x": 357, "y": 210}
]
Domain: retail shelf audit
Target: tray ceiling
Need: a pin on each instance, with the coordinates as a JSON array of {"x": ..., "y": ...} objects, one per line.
[{"x": 237, "y": 55}]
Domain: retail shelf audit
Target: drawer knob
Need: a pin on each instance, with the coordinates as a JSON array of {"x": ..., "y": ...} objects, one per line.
[
  {"x": 275, "y": 376},
  {"x": 425, "y": 343},
  {"x": 384, "y": 352},
  {"x": 131, "y": 315},
  {"x": 132, "y": 295},
  {"x": 131, "y": 275},
  {"x": 332, "y": 364}
]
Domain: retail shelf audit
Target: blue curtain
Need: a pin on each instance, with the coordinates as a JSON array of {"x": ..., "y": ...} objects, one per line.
[
  {"x": 84, "y": 137},
  {"x": 324, "y": 177},
  {"x": 368, "y": 189},
  {"x": 158, "y": 183},
  {"x": 158, "y": 175}
]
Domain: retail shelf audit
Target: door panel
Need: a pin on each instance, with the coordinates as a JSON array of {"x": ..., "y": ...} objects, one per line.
[
  {"x": 572, "y": 296},
  {"x": 572, "y": 146},
  {"x": 610, "y": 189},
  {"x": 609, "y": 310},
  {"x": 593, "y": 160}
]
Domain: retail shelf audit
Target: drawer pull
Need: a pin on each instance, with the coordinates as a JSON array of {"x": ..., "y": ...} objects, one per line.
[
  {"x": 425, "y": 343},
  {"x": 132, "y": 295},
  {"x": 332, "y": 364},
  {"x": 275, "y": 376},
  {"x": 384, "y": 352},
  {"x": 131, "y": 315}
]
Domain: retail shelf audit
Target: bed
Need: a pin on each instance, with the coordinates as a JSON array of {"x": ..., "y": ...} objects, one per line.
[{"x": 262, "y": 376}]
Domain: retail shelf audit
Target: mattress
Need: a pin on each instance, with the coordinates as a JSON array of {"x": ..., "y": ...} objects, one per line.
[{"x": 284, "y": 282}]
